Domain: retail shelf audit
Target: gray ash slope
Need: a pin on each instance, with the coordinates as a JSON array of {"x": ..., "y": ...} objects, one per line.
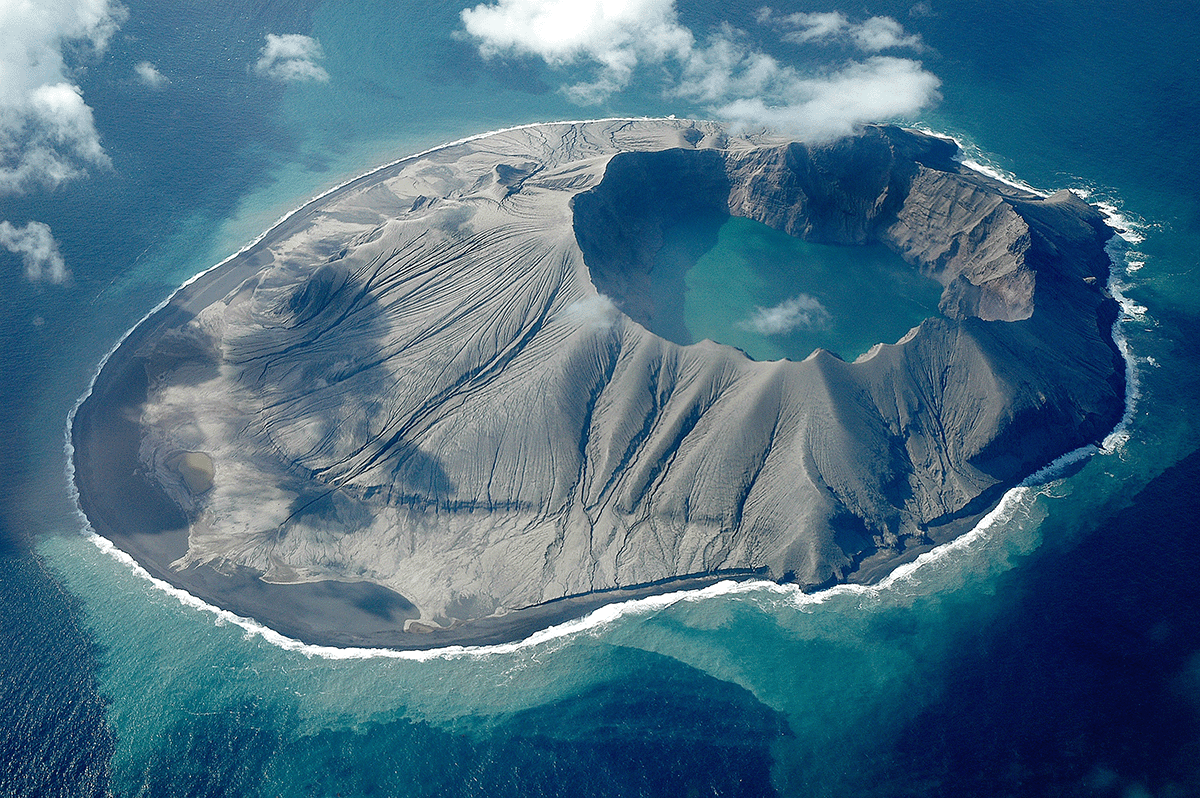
[{"x": 439, "y": 379}]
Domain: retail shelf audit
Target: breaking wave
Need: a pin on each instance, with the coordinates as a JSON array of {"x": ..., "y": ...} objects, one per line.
[{"x": 1014, "y": 506}]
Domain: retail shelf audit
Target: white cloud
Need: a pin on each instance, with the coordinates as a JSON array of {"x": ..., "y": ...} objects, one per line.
[
  {"x": 149, "y": 75},
  {"x": 832, "y": 105},
  {"x": 872, "y": 35},
  {"x": 735, "y": 81},
  {"x": 726, "y": 67},
  {"x": 811, "y": 27},
  {"x": 596, "y": 312},
  {"x": 791, "y": 314},
  {"x": 37, "y": 248},
  {"x": 291, "y": 57},
  {"x": 47, "y": 134},
  {"x": 884, "y": 33},
  {"x": 616, "y": 35}
]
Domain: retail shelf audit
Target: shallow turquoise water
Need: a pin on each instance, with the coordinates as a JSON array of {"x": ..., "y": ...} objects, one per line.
[
  {"x": 776, "y": 296},
  {"x": 1056, "y": 654}
]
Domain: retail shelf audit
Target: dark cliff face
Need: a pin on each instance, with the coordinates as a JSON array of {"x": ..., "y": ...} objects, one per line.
[
  {"x": 619, "y": 224},
  {"x": 441, "y": 379},
  {"x": 835, "y": 194},
  {"x": 1020, "y": 368}
]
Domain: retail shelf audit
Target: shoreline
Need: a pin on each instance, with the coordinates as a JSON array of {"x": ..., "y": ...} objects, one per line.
[
  {"x": 353, "y": 614},
  {"x": 323, "y": 613},
  {"x": 138, "y": 519},
  {"x": 155, "y": 533},
  {"x": 141, "y": 521}
]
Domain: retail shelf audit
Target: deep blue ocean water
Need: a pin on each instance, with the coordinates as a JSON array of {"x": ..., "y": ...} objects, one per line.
[{"x": 1055, "y": 653}]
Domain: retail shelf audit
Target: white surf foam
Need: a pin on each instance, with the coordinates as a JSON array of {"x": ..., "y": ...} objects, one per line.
[
  {"x": 1012, "y": 502},
  {"x": 976, "y": 160},
  {"x": 1125, "y": 264},
  {"x": 1001, "y": 176},
  {"x": 1130, "y": 231}
]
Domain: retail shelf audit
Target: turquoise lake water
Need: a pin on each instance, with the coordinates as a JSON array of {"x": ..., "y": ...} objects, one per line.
[
  {"x": 1056, "y": 652},
  {"x": 738, "y": 282}
]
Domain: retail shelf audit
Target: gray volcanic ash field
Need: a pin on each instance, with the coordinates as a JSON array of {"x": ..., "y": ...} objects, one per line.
[{"x": 439, "y": 382}]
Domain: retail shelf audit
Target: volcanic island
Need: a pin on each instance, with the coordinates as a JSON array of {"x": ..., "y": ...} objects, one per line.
[{"x": 429, "y": 408}]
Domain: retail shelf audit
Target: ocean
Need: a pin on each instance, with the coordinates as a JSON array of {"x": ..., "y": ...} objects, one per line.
[{"x": 1053, "y": 651}]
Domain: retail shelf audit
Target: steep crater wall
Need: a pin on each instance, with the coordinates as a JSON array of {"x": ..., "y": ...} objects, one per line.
[
  {"x": 975, "y": 235},
  {"x": 1025, "y": 365},
  {"x": 619, "y": 224},
  {"x": 413, "y": 384}
]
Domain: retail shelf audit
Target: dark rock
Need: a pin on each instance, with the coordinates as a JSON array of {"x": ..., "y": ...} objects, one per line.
[{"x": 461, "y": 402}]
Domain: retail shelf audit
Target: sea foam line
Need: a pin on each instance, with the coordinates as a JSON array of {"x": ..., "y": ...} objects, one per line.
[
  {"x": 1004, "y": 511},
  {"x": 1119, "y": 436},
  {"x": 971, "y": 157},
  {"x": 1129, "y": 232}
]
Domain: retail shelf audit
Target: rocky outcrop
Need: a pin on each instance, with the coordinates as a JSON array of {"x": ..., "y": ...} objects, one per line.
[{"x": 440, "y": 380}]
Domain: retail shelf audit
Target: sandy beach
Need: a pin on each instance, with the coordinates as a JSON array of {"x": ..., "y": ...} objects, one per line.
[
  {"x": 125, "y": 507},
  {"x": 137, "y": 516},
  {"x": 338, "y": 528}
]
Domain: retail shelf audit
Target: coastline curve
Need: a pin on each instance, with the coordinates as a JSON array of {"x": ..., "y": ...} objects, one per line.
[{"x": 366, "y": 610}]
